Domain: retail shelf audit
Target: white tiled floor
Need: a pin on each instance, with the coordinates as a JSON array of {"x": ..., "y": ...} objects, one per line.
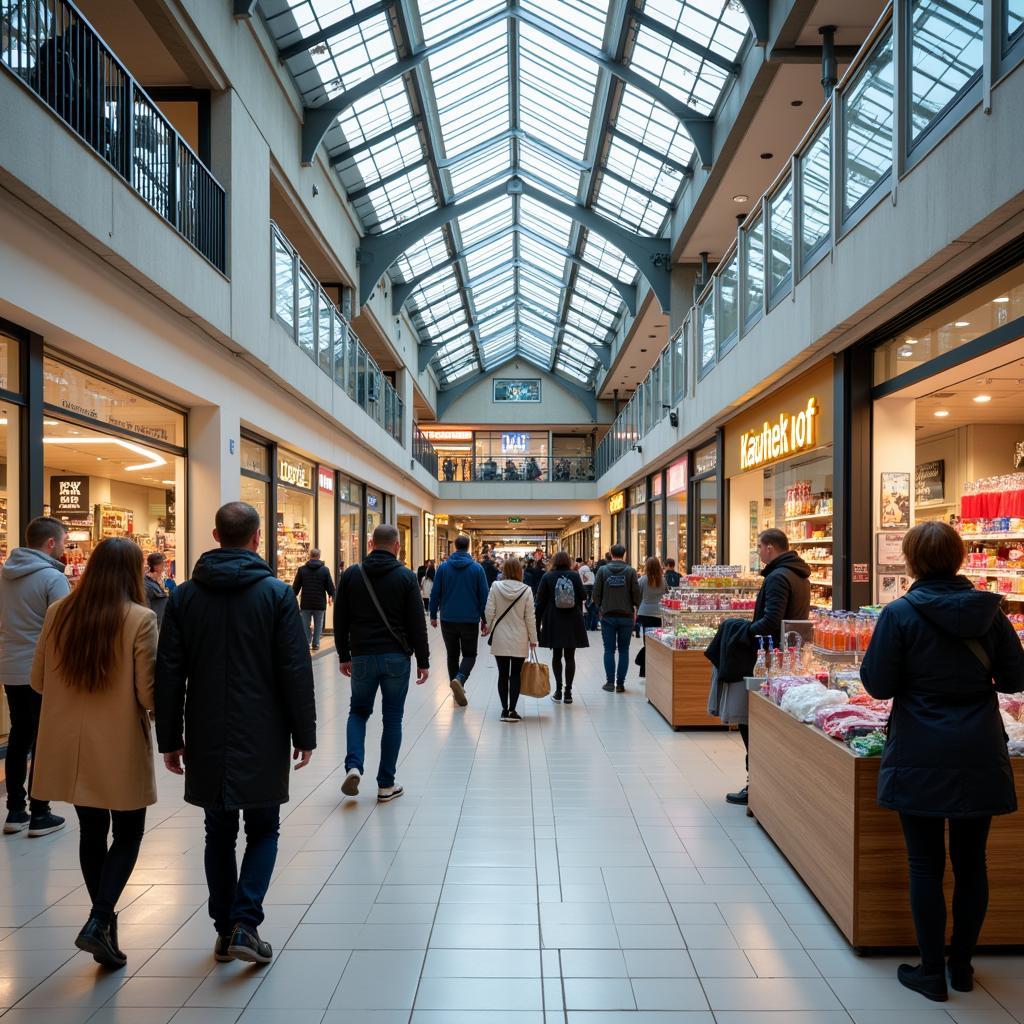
[{"x": 580, "y": 868}]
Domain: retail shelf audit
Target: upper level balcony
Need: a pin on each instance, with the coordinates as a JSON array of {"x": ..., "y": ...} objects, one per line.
[{"x": 52, "y": 50}]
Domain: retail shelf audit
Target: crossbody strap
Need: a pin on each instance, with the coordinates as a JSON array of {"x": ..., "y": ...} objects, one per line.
[
  {"x": 505, "y": 612},
  {"x": 380, "y": 611}
]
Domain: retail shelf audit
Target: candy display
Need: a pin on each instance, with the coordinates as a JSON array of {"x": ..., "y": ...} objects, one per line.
[
  {"x": 870, "y": 745},
  {"x": 850, "y": 721},
  {"x": 684, "y": 637},
  {"x": 692, "y": 611}
]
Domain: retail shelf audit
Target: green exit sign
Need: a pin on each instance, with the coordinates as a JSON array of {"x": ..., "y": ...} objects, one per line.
[{"x": 515, "y": 519}]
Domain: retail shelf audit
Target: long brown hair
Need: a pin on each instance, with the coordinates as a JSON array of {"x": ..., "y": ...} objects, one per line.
[
  {"x": 652, "y": 570},
  {"x": 89, "y": 620}
]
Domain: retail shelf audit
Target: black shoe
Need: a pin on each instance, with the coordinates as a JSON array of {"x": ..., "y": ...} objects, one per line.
[
  {"x": 504, "y": 714},
  {"x": 315, "y": 647},
  {"x": 931, "y": 986},
  {"x": 610, "y": 687},
  {"x": 620, "y": 688},
  {"x": 737, "y": 798},
  {"x": 95, "y": 938},
  {"x": 961, "y": 977},
  {"x": 17, "y": 821},
  {"x": 220, "y": 949},
  {"x": 557, "y": 695},
  {"x": 246, "y": 944},
  {"x": 44, "y": 824},
  {"x": 567, "y": 699},
  {"x": 514, "y": 716},
  {"x": 113, "y": 938}
]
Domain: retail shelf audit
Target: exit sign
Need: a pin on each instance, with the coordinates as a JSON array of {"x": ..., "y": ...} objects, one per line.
[{"x": 515, "y": 519}]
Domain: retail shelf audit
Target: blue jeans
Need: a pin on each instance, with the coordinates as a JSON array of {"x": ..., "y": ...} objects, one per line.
[
  {"x": 616, "y": 630},
  {"x": 390, "y": 674},
  {"x": 236, "y": 897},
  {"x": 313, "y": 623}
]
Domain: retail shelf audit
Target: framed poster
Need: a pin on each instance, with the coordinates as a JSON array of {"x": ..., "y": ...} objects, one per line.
[
  {"x": 888, "y": 587},
  {"x": 930, "y": 481},
  {"x": 889, "y": 550},
  {"x": 894, "y": 501},
  {"x": 515, "y": 389}
]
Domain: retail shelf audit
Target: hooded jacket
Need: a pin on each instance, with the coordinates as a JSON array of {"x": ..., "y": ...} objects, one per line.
[
  {"x": 512, "y": 636},
  {"x": 234, "y": 682},
  {"x": 534, "y": 573},
  {"x": 30, "y": 582},
  {"x": 156, "y": 597},
  {"x": 358, "y": 628},
  {"x": 620, "y": 600},
  {"x": 946, "y": 749},
  {"x": 561, "y": 627},
  {"x": 460, "y": 589},
  {"x": 785, "y": 594},
  {"x": 313, "y": 585}
]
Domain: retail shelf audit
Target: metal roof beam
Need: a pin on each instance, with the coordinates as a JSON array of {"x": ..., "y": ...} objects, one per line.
[
  {"x": 244, "y": 8},
  {"x": 650, "y": 151},
  {"x": 757, "y": 13},
  {"x": 359, "y": 193},
  {"x": 730, "y": 67},
  {"x": 809, "y": 54},
  {"x": 347, "y": 154},
  {"x": 308, "y": 42},
  {"x": 633, "y": 187}
]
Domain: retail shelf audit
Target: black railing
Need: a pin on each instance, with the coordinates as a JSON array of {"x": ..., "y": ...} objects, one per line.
[
  {"x": 518, "y": 469},
  {"x": 423, "y": 451},
  {"x": 51, "y": 48}
]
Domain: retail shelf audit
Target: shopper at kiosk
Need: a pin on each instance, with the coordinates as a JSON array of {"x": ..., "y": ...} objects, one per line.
[
  {"x": 617, "y": 596},
  {"x": 941, "y": 653}
]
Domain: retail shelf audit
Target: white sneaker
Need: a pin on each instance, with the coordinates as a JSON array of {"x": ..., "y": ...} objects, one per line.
[
  {"x": 350, "y": 787},
  {"x": 388, "y": 793}
]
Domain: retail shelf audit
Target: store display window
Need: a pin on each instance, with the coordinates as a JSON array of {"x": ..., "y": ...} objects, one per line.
[
  {"x": 637, "y": 547},
  {"x": 704, "y": 495},
  {"x": 375, "y": 511},
  {"x": 350, "y": 521},
  {"x": 295, "y": 515},
  {"x": 675, "y": 502},
  {"x": 511, "y": 454},
  {"x": 10, "y": 449},
  {"x": 326, "y": 531},
  {"x": 255, "y": 483}
]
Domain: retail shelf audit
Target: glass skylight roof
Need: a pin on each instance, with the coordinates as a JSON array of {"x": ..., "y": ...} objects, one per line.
[{"x": 519, "y": 97}]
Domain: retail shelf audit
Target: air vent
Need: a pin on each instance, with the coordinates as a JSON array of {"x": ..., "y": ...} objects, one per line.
[{"x": 943, "y": 394}]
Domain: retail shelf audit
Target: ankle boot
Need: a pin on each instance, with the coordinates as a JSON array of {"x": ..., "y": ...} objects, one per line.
[
  {"x": 95, "y": 938},
  {"x": 961, "y": 975},
  {"x": 567, "y": 695}
]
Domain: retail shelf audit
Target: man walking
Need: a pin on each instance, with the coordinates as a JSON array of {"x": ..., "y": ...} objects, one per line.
[
  {"x": 490, "y": 568},
  {"x": 31, "y": 580},
  {"x": 460, "y": 596},
  {"x": 234, "y": 684},
  {"x": 314, "y": 588},
  {"x": 378, "y": 622},
  {"x": 534, "y": 572},
  {"x": 617, "y": 595}
]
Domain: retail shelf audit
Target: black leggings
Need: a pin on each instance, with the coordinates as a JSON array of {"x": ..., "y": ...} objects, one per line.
[
  {"x": 106, "y": 872},
  {"x": 509, "y": 670},
  {"x": 926, "y": 851},
  {"x": 570, "y": 665}
]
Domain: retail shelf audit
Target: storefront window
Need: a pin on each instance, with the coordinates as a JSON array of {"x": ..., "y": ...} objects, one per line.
[
  {"x": 374, "y": 513},
  {"x": 10, "y": 364},
  {"x": 675, "y": 486},
  {"x": 350, "y": 521},
  {"x": 707, "y": 498},
  {"x": 295, "y": 513},
  {"x": 511, "y": 455},
  {"x": 255, "y": 488},
  {"x": 9, "y": 477},
  {"x": 572, "y": 457}
]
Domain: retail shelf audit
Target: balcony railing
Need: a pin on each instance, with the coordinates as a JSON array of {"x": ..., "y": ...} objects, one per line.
[
  {"x": 522, "y": 469},
  {"x": 50, "y": 47},
  {"x": 302, "y": 307},
  {"x": 423, "y": 451},
  {"x": 893, "y": 105}
]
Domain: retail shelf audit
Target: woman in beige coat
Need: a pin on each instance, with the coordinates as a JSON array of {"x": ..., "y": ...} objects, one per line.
[
  {"x": 94, "y": 668},
  {"x": 512, "y": 624}
]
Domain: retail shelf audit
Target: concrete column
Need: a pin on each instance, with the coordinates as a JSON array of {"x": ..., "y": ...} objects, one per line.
[
  {"x": 214, "y": 471},
  {"x": 683, "y": 277}
]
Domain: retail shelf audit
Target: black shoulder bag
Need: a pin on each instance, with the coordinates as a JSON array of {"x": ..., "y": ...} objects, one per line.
[
  {"x": 380, "y": 611},
  {"x": 504, "y": 613}
]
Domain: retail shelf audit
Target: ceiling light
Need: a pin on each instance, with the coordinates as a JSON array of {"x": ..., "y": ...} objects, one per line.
[
  {"x": 49, "y": 423},
  {"x": 962, "y": 323},
  {"x": 941, "y": 413},
  {"x": 1002, "y": 298},
  {"x": 741, "y": 198},
  {"x": 910, "y": 341},
  {"x": 905, "y": 353},
  {"x": 982, "y": 399},
  {"x": 137, "y": 449}
]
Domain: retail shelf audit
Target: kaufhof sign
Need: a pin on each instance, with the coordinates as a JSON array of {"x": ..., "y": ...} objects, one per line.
[{"x": 797, "y": 419}]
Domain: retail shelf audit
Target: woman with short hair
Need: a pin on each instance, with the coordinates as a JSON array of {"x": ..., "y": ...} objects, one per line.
[
  {"x": 941, "y": 653},
  {"x": 560, "y": 625}
]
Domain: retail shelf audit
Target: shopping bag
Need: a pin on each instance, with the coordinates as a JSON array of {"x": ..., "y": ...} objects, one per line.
[{"x": 533, "y": 680}]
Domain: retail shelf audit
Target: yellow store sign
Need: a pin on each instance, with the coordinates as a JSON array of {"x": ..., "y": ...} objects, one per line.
[
  {"x": 617, "y": 502},
  {"x": 788, "y": 434}
]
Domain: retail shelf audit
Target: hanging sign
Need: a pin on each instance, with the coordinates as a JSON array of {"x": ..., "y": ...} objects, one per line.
[
  {"x": 325, "y": 480},
  {"x": 780, "y": 438},
  {"x": 69, "y": 495},
  {"x": 617, "y": 502}
]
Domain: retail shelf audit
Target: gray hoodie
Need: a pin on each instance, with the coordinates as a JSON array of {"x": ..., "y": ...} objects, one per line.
[{"x": 30, "y": 582}]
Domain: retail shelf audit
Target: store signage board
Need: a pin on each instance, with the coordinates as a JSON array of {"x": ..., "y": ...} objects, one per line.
[
  {"x": 514, "y": 443},
  {"x": 441, "y": 520},
  {"x": 372, "y": 501},
  {"x": 325, "y": 480},
  {"x": 294, "y": 472},
  {"x": 617, "y": 502},
  {"x": 432, "y": 434},
  {"x": 584, "y": 518},
  {"x": 69, "y": 495},
  {"x": 677, "y": 474},
  {"x": 860, "y": 573},
  {"x": 930, "y": 481},
  {"x": 789, "y": 434}
]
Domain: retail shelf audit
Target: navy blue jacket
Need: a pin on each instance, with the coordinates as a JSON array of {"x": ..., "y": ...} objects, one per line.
[
  {"x": 460, "y": 589},
  {"x": 946, "y": 751}
]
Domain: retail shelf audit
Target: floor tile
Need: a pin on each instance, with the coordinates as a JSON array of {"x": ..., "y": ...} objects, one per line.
[{"x": 598, "y": 994}]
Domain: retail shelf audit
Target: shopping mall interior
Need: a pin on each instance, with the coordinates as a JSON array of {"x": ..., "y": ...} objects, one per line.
[{"x": 555, "y": 275}]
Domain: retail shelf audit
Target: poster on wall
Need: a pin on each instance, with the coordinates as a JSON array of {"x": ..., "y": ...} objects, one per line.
[
  {"x": 69, "y": 495},
  {"x": 894, "y": 511},
  {"x": 930, "y": 481},
  {"x": 889, "y": 550},
  {"x": 892, "y": 586}
]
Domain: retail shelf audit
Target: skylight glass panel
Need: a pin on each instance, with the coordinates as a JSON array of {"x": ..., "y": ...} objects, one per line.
[
  {"x": 585, "y": 18},
  {"x": 440, "y": 18},
  {"x": 548, "y": 223},
  {"x": 543, "y": 257},
  {"x": 498, "y": 250},
  {"x": 630, "y": 207},
  {"x": 419, "y": 258},
  {"x": 648, "y": 122},
  {"x": 380, "y": 160},
  {"x": 642, "y": 170},
  {"x": 485, "y": 220},
  {"x": 401, "y": 199},
  {"x": 474, "y": 173},
  {"x": 605, "y": 256}
]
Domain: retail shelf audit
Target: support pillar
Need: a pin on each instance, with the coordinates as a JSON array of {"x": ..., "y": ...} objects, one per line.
[{"x": 214, "y": 473}]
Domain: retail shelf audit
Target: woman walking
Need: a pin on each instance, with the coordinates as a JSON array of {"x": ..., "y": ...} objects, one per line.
[
  {"x": 560, "y": 626},
  {"x": 427, "y": 583},
  {"x": 942, "y": 652},
  {"x": 94, "y": 668},
  {"x": 512, "y": 625},
  {"x": 648, "y": 615}
]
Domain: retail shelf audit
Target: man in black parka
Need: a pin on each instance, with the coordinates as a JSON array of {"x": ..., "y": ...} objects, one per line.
[{"x": 234, "y": 694}]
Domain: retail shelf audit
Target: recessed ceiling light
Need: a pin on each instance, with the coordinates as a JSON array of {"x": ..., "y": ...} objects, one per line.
[
  {"x": 941, "y": 413},
  {"x": 962, "y": 323},
  {"x": 982, "y": 399},
  {"x": 905, "y": 353},
  {"x": 910, "y": 341},
  {"x": 741, "y": 198},
  {"x": 1002, "y": 298}
]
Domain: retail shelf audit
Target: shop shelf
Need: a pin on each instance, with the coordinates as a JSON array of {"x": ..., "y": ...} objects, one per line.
[
  {"x": 993, "y": 573},
  {"x": 819, "y": 583},
  {"x": 816, "y": 515},
  {"x": 971, "y": 538},
  {"x": 811, "y": 540},
  {"x": 818, "y": 561}
]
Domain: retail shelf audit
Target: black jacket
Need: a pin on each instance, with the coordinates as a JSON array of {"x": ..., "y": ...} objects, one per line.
[
  {"x": 156, "y": 598},
  {"x": 534, "y": 573},
  {"x": 731, "y": 651},
  {"x": 233, "y": 669},
  {"x": 358, "y": 628},
  {"x": 313, "y": 585},
  {"x": 490, "y": 570},
  {"x": 785, "y": 594},
  {"x": 946, "y": 750},
  {"x": 560, "y": 627}
]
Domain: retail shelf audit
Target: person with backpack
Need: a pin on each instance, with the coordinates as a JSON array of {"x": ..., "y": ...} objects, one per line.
[
  {"x": 648, "y": 616},
  {"x": 617, "y": 595},
  {"x": 560, "y": 626},
  {"x": 512, "y": 627},
  {"x": 315, "y": 590}
]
